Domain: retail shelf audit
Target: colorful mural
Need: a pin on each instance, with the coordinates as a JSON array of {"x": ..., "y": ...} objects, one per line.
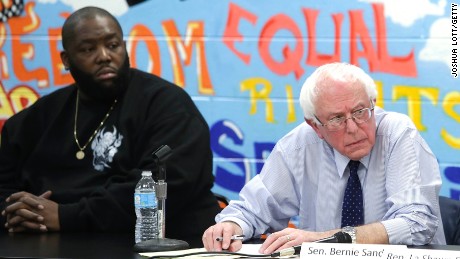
[{"x": 243, "y": 63}]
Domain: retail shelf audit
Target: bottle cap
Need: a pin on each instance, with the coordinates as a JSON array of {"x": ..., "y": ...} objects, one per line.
[{"x": 146, "y": 173}]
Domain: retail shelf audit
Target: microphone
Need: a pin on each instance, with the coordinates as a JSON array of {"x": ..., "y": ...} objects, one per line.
[
  {"x": 294, "y": 250},
  {"x": 160, "y": 156},
  {"x": 339, "y": 237},
  {"x": 161, "y": 243}
]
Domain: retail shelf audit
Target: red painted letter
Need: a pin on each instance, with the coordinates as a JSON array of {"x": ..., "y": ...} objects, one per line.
[
  {"x": 404, "y": 66},
  {"x": 195, "y": 33},
  {"x": 231, "y": 34},
  {"x": 358, "y": 29},
  {"x": 291, "y": 62},
  {"x": 23, "y": 26},
  {"x": 3, "y": 64},
  {"x": 314, "y": 58},
  {"x": 154, "y": 64}
]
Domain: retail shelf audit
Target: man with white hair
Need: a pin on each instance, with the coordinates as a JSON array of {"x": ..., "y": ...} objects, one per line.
[{"x": 352, "y": 167}]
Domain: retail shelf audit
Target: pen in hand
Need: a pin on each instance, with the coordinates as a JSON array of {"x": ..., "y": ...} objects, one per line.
[{"x": 234, "y": 237}]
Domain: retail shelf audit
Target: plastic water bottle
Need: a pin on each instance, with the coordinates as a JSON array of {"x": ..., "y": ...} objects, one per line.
[{"x": 145, "y": 204}]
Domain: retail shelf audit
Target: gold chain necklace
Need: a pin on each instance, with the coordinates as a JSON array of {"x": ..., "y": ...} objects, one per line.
[{"x": 81, "y": 153}]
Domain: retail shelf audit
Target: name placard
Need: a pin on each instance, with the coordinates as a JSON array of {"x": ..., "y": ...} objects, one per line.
[
  {"x": 352, "y": 251},
  {"x": 363, "y": 251},
  {"x": 433, "y": 254}
]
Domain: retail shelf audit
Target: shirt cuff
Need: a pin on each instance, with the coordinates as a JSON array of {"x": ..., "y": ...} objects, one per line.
[
  {"x": 68, "y": 217},
  {"x": 247, "y": 231},
  {"x": 398, "y": 231}
]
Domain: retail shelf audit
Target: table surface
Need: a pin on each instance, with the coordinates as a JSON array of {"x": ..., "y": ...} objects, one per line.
[
  {"x": 67, "y": 245},
  {"x": 85, "y": 245}
]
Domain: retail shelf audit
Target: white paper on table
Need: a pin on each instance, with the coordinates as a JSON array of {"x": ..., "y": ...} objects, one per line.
[{"x": 252, "y": 249}]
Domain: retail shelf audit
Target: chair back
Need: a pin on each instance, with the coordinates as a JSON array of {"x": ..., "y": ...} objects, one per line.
[
  {"x": 221, "y": 200},
  {"x": 450, "y": 214}
]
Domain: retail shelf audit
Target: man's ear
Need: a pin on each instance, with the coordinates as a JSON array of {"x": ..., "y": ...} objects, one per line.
[
  {"x": 65, "y": 60},
  {"x": 315, "y": 127}
]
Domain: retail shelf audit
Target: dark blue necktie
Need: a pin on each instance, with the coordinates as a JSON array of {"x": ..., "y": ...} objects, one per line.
[{"x": 352, "y": 207}]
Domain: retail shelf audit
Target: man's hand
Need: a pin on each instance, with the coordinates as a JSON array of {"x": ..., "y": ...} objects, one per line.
[
  {"x": 290, "y": 237},
  {"x": 374, "y": 233},
  {"x": 28, "y": 212},
  {"x": 225, "y": 230}
]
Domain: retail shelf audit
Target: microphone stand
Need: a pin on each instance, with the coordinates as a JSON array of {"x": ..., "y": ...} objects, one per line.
[
  {"x": 161, "y": 243},
  {"x": 339, "y": 237},
  {"x": 162, "y": 153}
]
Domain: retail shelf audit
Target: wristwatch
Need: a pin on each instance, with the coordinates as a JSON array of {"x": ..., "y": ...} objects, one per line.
[{"x": 352, "y": 232}]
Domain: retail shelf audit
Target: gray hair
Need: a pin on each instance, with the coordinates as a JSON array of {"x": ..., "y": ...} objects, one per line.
[{"x": 321, "y": 78}]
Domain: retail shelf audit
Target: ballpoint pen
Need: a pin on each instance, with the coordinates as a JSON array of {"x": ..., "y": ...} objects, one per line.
[{"x": 234, "y": 237}]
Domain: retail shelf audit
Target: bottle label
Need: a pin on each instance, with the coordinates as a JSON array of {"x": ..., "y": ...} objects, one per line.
[{"x": 144, "y": 200}]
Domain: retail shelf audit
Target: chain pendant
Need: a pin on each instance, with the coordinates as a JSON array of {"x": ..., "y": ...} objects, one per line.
[{"x": 80, "y": 155}]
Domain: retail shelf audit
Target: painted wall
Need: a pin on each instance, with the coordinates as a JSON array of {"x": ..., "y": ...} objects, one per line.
[{"x": 244, "y": 62}]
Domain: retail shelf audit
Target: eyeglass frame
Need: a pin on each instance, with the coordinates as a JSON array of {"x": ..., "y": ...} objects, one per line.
[{"x": 352, "y": 117}]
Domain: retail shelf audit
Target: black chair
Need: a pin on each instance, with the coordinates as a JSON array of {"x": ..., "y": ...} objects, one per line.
[
  {"x": 222, "y": 200},
  {"x": 450, "y": 214}
]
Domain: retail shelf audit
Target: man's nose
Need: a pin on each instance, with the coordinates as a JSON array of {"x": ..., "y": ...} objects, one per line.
[
  {"x": 351, "y": 124},
  {"x": 103, "y": 55}
]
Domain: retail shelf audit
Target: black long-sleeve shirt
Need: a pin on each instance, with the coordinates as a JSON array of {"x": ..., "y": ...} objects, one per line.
[{"x": 38, "y": 150}]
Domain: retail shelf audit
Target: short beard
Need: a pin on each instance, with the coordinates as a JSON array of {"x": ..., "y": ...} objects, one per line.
[{"x": 97, "y": 91}]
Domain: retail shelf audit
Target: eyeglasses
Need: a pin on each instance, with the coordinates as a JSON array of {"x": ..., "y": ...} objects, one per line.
[{"x": 338, "y": 123}]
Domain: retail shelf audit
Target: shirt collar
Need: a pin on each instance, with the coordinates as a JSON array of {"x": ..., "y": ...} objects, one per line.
[{"x": 341, "y": 162}]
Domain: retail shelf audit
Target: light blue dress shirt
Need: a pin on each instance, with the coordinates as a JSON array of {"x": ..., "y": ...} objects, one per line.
[{"x": 305, "y": 177}]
